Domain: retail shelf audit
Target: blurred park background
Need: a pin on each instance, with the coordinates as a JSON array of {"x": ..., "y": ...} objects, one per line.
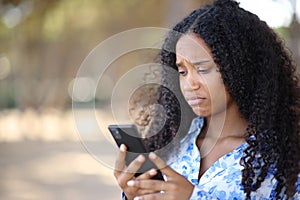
[{"x": 42, "y": 45}]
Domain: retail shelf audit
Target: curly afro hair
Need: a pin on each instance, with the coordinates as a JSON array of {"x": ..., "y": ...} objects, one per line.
[{"x": 260, "y": 75}]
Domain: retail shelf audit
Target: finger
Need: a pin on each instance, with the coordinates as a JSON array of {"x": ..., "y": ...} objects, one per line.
[
  {"x": 148, "y": 175},
  {"x": 149, "y": 184},
  {"x": 164, "y": 168},
  {"x": 141, "y": 192},
  {"x": 153, "y": 196},
  {"x": 132, "y": 168},
  {"x": 120, "y": 161}
]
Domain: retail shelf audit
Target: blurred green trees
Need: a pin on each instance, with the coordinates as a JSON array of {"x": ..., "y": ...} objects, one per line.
[{"x": 43, "y": 42}]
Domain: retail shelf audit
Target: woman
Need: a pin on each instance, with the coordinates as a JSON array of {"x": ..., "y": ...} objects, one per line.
[{"x": 239, "y": 79}]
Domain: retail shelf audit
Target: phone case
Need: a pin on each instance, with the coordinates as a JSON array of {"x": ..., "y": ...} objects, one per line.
[{"x": 128, "y": 135}]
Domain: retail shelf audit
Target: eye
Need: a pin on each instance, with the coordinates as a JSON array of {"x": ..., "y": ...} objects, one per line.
[
  {"x": 182, "y": 72},
  {"x": 202, "y": 70}
]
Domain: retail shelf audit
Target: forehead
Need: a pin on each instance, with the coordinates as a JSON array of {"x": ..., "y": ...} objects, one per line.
[{"x": 192, "y": 48}]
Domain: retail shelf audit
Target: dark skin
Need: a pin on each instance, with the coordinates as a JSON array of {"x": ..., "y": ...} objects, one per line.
[
  {"x": 146, "y": 188},
  {"x": 220, "y": 148},
  {"x": 143, "y": 187},
  {"x": 201, "y": 85}
]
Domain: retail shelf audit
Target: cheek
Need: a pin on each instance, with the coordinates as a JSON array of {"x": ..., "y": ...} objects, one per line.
[
  {"x": 220, "y": 102},
  {"x": 215, "y": 85},
  {"x": 218, "y": 95},
  {"x": 182, "y": 84}
]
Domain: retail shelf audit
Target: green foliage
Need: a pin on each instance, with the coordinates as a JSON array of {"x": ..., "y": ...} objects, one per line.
[
  {"x": 283, "y": 32},
  {"x": 7, "y": 99},
  {"x": 53, "y": 37}
]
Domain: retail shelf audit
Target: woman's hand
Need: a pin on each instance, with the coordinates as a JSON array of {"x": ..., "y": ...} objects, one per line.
[
  {"x": 176, "y": 186},
  {"x": 124, "y": 174}
]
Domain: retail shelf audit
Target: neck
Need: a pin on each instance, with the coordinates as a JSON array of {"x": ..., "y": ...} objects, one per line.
[{"x": 225, "y": 124}]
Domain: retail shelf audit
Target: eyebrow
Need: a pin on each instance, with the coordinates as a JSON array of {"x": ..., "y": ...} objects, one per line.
[{"x": 194, "y": 63}]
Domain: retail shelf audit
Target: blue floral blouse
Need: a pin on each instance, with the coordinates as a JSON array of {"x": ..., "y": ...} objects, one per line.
[{"x": 223, "y": 179}]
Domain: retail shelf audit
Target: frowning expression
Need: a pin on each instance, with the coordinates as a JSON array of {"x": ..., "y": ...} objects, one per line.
[{"x": 200, "y": 79}]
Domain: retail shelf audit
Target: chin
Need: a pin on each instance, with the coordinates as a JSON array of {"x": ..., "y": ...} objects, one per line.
[{"x": 201, "y": 113}]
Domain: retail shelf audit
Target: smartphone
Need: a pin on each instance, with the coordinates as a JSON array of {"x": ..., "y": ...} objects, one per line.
[{"x": 128, "y": 135}]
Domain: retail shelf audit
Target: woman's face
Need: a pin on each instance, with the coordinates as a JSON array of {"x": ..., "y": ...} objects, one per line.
[{"x": 200, "y": 80}]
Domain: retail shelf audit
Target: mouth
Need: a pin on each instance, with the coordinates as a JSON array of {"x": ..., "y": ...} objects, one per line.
[{"x": 194, "y": 101}]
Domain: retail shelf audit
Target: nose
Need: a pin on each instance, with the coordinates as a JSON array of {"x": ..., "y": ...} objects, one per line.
[{"x": 192, "y": 81}]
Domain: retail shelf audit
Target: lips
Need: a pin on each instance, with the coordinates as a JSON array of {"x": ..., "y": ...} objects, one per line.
[{"x": 195, "y": 100}]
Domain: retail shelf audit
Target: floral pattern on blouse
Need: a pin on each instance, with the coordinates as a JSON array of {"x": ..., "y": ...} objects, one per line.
[{"x": 223, "y": 179}]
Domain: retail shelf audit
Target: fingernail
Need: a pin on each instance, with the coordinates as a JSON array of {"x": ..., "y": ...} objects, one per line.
[
  {"x": 152, "y": 155},
  {"x": 152, "y": 172},
  {"x": 140, "y": 158},
  {"x": 137, "y": 198},
  {"x": 130, "y": 183},
  {"x": 123, "y": 147}
]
